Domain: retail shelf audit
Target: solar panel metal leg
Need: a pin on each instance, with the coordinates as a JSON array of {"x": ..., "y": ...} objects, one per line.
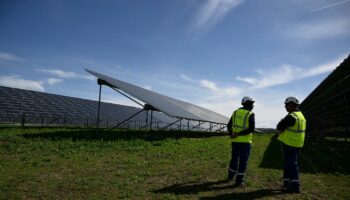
[
  {"x": 98, "y": 108},
  {"x": 146, "y": 120},
  {"x": 180, "y": 124},
  {"x": 23, "y": 120},
  {"x": 150, "y": 126}
]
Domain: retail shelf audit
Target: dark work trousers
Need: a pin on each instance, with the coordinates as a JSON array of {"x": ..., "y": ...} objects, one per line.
[
  {"x": 239, "y": 161},
  {"x": 291, "y": 171}
]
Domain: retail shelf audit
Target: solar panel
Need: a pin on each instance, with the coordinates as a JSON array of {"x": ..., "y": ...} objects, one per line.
[
  {"x": 170, "y": 106},
  {"x": 326, "y": 107}
]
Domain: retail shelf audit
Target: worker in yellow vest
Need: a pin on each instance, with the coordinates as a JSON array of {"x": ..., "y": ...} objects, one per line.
[
  {"x": 241, "y": 127},
  {"x": 291, "y": 133}
]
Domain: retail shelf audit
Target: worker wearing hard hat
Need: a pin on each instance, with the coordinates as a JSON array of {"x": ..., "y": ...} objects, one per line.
[
  {"x": 291, "y": 132},
  {"x": 241, "y": 127}
]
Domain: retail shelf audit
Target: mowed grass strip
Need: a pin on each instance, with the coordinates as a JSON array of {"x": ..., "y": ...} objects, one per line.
[{"x": 56, "y": 163}]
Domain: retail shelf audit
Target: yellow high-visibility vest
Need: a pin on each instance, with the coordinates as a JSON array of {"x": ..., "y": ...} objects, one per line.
[
  {"x": 294, "y": 136},
  {"x": 240, "y": 121}
]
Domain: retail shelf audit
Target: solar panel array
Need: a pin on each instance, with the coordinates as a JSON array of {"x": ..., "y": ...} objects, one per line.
[
  {"x": 32, "y": 107},
  {"x": 17, "y": 103},
  {"x": 327, "y": 108}
]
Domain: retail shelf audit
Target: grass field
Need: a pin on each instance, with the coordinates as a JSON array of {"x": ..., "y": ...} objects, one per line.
[{"x": 58, "y": 163}]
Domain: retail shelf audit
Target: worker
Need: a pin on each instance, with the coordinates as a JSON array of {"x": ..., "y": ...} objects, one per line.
[
  {"x": 291, "y": 133},
  {"x": 241, "y": 127}
]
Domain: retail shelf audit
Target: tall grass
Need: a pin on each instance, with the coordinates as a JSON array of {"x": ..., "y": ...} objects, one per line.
[{"x": 56, "y": 163}]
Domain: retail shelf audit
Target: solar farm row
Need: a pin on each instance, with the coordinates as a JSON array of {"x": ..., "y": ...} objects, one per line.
[{"x": 327, "y": 108}]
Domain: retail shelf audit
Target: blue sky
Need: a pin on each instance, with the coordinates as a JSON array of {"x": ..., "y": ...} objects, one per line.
[{"x": 207, "y": 52}]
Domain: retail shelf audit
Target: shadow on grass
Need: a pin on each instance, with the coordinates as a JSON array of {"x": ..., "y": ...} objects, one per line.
[
  {"x": 246, "y": 195},
  {"x": 105, "y": 135},
  {"x": 192, "y": 188},
  {"x": 315, "y": 157}
]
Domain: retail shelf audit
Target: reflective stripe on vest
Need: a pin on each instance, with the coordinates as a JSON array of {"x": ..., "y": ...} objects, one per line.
[
  {"x": 240, "y": 121},
  {"x": 295, "y": 135}
]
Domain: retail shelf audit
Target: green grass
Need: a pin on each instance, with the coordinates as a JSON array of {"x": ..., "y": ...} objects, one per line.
[{"x": 58, "y": 163}]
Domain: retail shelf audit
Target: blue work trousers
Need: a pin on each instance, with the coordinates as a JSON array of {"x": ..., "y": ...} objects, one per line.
[
  {"x": 291, "y": 169},
  {"x": 239, "y": 161}
]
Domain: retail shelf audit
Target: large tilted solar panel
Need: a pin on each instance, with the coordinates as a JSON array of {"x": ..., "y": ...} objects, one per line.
[
  {"x": 327, "y": 107},
  {"x": 165, "y": 104},
  {"x": 18, "y": 102}
]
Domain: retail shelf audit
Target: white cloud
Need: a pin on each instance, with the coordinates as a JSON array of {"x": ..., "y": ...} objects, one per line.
[
  {"x": 314, "y": 30},
  {"x": 65, "y": 74},
  {"x": 323, "y": 68},
  {"x": 330, "y": 5},
  {"x": 17, "y": 82},
  {"x": 209, "y": 85},
  {"x": 213, "y": 11},
  {"x": 89, "y": 77},
  {"x": 59, "y": 73},
  {"x": 53, "y": 81},
  {"x": 249, "y": 80},
  {"x": 288, "y": 73},
  {"x": 282, "y": 75},
  {"x": 186, "y": 78},
  {"x": 8, "y": 57}
]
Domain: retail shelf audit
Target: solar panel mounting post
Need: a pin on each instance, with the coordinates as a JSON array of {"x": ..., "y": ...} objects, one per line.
[
  {"x": 146, "y": 119},
  {"x": 150, "y": 126},
  {"x": 148, "y": 107},
  {"x": 99, "y": 82}
]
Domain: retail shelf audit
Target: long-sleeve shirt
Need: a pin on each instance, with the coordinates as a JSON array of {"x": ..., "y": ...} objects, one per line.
[
  {"x": 250, "y": 129},
  {"x": 286, "y": 122}
]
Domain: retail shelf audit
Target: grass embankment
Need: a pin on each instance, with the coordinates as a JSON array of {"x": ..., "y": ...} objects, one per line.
[{"x": 56, "y": 163}]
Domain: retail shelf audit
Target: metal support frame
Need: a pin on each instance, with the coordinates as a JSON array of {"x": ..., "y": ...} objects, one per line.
[
  {"x": 211, "y": 126},
  {"x": 220, "y": 128},
  {"x": 171, "y": 124},
  {"x": 199, "y": 124},
  {"x": 119, "y": 124}
]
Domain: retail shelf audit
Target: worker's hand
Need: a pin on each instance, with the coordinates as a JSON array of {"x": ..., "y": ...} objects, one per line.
[
  {"x": 234, "y": 135},
  {"x": 279, "y": 131},
  {"x": 276, "y": 135}
]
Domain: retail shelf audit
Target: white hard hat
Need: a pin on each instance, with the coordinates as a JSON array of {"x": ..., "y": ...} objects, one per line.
[
  {"x": 247, "y": 98},
  {"x": 291, "y": 100}
]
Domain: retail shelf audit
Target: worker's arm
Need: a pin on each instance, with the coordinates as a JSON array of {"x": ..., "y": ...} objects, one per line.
[
  {"x": 251, "y": 127},
  {"x": 286, "y": 122}
]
